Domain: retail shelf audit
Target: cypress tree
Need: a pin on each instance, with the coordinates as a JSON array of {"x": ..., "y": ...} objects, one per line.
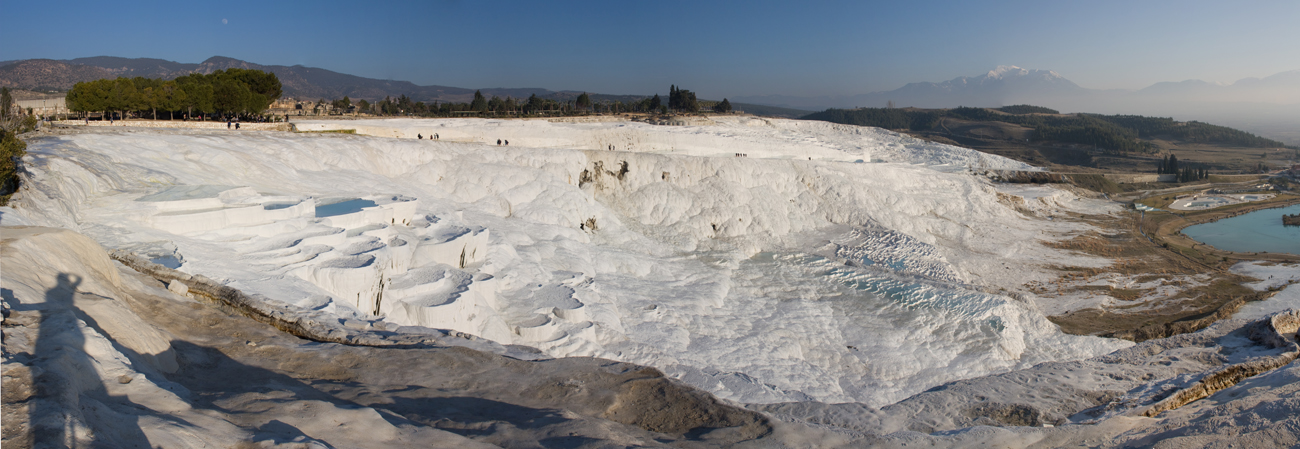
[{"x": 6, "y": 102}]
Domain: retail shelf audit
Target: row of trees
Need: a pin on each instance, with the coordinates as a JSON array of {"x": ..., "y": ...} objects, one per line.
[
  {"x": 227, "y": 93},
  {"x": 1170, "y": 165},
  {"x": 1022, "y": 109},
  {"x": 533, "y": 105},
  {"x": 403, "y": 105},
  {"x": 682, "y": 100}
]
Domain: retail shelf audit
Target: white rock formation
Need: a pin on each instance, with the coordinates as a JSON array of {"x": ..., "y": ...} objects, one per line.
[{"x": 761, "y": 278}]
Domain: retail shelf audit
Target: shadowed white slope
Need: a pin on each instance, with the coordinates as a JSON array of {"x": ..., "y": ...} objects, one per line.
[{"x": 758, "y": 279}]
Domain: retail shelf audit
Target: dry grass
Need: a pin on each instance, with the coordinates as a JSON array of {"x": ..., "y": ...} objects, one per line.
[{"x": 1144, "y": 314}]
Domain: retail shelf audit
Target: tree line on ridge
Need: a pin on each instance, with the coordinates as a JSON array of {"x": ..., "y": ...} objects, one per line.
[
  {"x": 231, "y": 93},
  {"x": 1113, "y": 134}
]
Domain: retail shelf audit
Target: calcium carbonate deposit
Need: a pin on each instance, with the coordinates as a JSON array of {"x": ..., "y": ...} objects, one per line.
[{"x": 762, "y": 260}]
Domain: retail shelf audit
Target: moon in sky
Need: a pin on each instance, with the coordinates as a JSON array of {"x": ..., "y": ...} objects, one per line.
[{"x": 224, "y": 21}]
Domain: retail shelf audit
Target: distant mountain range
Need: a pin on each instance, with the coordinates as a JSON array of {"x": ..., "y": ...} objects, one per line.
[
  {"x": 309, "y": 83},
  {"x": 991, "y": 89},
  {"x": 298, "y": 81},
  {"x": 1007, "y": 85},
  {"x": 1268, "y": 106}
]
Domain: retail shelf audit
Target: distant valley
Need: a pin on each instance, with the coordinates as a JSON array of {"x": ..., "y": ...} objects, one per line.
[
  {"x": 1079, "y": 143},
  {"x": 1268, "y": 106}
]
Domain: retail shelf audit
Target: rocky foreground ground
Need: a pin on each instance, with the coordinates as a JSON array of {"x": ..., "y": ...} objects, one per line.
[{"x": 97, "y": 354}]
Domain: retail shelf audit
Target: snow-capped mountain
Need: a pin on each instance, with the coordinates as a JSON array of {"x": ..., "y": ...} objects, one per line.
[
  {"x": 998, "y": 87},
  {"x": 1005, "y": 75},
  {"x": 1006, "y": 85},
  {"x": 1001, "y": 86}
]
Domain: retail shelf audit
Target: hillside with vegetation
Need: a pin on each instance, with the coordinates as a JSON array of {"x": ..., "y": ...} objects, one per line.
[
  {"x": 13, "y": 121},
  {"x": 1045, "y": 137}
]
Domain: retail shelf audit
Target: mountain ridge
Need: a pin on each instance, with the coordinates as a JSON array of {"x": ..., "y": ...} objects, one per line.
[
  {"x": 1006, "y": 85},
  {"x": 1268, "y": 105},
  {"x": 299, "y": 81}
]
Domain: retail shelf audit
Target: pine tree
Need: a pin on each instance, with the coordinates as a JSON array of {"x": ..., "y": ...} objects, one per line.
[
  {"x": 723, "y": 107},
  {"x": 479, "y": 104}
]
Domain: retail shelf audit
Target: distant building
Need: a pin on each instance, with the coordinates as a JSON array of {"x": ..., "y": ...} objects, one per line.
[
  {"x": 284, "y": 103},
  {"x": 46, "y": 107}
]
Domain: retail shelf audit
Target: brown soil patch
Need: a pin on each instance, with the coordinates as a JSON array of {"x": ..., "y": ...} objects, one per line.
[{"x": 1142, "y": 316}]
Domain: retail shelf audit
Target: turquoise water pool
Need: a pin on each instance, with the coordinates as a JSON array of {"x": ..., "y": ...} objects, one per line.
[
  {"x": 343, "y": 207},
  {"x": 1259, "y": 231}
]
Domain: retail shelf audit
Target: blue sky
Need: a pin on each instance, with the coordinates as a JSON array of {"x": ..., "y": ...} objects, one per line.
[{"x": 716, "y": 48}]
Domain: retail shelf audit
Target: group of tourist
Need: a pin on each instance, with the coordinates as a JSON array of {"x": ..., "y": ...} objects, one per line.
[{"x": 433, "y": 136}]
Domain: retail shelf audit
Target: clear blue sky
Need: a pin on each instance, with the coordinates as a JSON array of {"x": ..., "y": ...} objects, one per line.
[{"x": 716, "y": 48}]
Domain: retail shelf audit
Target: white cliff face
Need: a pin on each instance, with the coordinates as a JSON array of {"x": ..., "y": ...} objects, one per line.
[{"x": 761, "y": 278}]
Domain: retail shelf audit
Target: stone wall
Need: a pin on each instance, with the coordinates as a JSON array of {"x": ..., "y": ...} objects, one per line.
[
  {"x": 45, "y": 106},
  {"x": 1123, "y": 178},
  {"x": 1025, "y": 177}
]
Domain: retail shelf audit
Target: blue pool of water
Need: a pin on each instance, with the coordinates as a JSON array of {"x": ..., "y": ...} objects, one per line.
[
  {"x": 343, "y": 208},
  {"x": 1259, "y": 231},
  {"x": 167, "y": 261}
]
